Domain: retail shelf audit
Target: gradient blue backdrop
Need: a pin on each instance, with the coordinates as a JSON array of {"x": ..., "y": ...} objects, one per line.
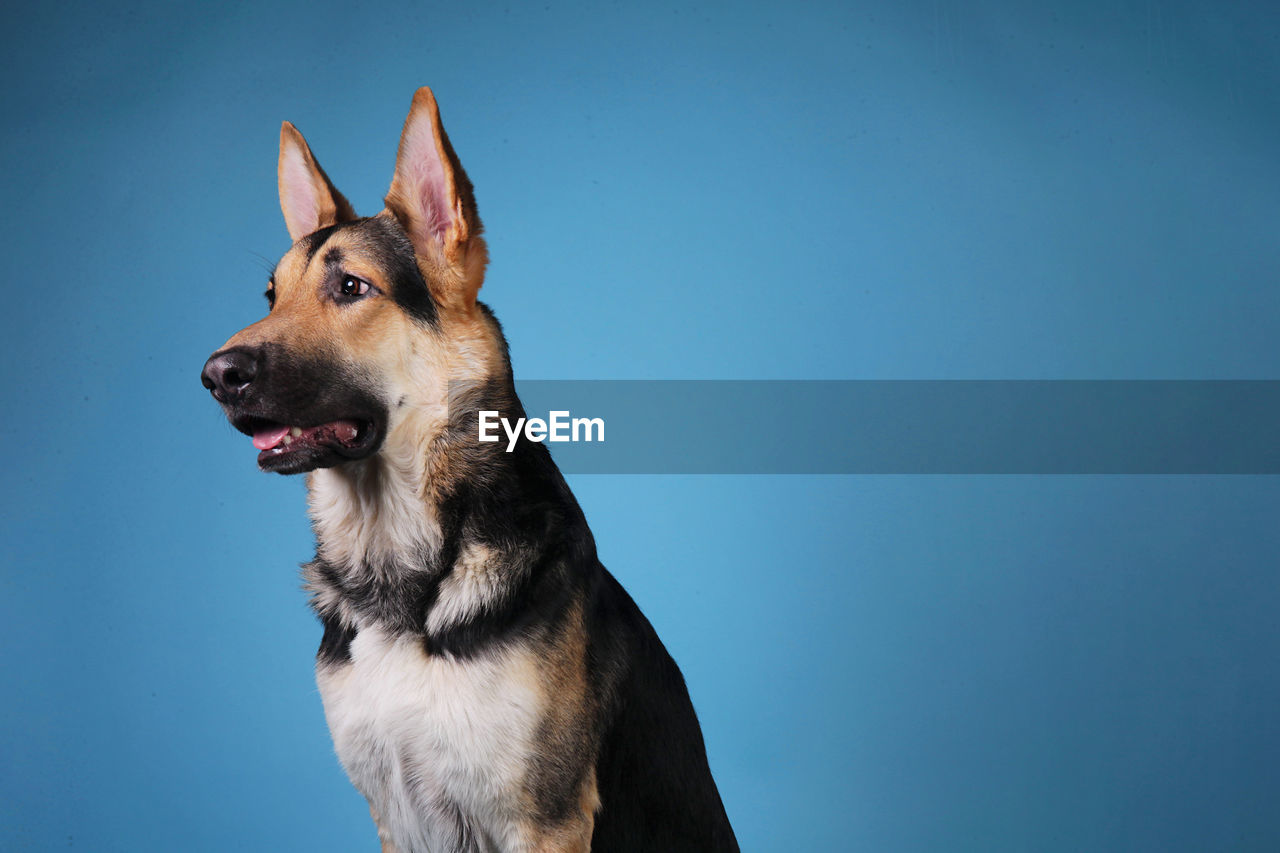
[{"x": 881, "y": 190}]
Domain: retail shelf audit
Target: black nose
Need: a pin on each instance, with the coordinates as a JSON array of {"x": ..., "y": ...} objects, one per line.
[{"x": 229, "y": 374}]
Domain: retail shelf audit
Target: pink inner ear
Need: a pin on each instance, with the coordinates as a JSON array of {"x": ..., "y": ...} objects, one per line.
[
  {"x": 427, "y": 180},
  {"x": 298, "y": 195}
]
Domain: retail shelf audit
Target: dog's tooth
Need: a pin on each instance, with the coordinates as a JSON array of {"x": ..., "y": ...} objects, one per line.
[
  {"x": 288, "y": 439},
  {"x": 295, "y": 431}
]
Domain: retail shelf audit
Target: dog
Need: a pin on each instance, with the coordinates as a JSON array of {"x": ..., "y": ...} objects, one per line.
[{"x": 488, "y": 684}]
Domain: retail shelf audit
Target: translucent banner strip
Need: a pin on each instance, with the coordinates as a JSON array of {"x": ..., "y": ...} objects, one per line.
[{"x": 890, "y": 427}]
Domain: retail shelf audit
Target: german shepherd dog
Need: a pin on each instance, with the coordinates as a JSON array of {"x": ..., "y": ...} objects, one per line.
[{"x": 488, "y": 685}]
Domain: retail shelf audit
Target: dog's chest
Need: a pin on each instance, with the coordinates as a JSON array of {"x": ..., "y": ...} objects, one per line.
[{"x": 439, "y": 746}]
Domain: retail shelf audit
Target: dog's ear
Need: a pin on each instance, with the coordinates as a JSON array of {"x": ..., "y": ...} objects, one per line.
[
  {"x": 308, "y": 199},
  {"x": 432, "y": 198}
]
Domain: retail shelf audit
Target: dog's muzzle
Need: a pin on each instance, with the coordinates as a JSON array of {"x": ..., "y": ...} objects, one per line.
[{"x": 302, "y": 413}]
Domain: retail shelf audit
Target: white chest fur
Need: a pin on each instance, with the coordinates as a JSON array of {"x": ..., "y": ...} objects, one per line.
[{"x": 438, "y": 746}]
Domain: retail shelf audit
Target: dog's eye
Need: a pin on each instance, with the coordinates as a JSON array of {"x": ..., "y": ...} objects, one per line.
[
  {"x": 352, "y": 287},
  {"x": 271, "y": 298}
]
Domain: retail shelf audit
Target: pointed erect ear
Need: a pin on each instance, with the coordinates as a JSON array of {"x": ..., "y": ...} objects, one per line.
[
  {"x": 307, "y": 198},
  {"x": 431, "y": 195}
]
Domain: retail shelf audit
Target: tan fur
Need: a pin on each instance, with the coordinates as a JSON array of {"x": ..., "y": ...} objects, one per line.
[
  {"x": 574, "y": 837},
  {"x": 564, "y": 670}
]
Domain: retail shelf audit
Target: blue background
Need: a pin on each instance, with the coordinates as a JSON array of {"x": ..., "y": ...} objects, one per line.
[{"x": 887, "y": 190}]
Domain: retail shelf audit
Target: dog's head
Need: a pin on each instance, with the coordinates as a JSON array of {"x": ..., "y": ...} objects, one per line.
[{"x": 370, "y": 318}]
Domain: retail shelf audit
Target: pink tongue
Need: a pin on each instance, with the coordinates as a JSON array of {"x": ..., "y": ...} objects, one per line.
[{"x": 265, "y": 439}]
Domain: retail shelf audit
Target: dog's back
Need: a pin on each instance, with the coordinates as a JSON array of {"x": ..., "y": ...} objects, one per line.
[{"x": 653, "y": 768}]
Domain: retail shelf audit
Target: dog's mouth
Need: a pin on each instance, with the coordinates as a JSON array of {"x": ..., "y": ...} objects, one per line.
[{"x": 293, "y": 449}]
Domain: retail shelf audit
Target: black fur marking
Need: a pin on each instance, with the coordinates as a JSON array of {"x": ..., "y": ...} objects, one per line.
[
  {"x": 335, "y": 645},
  {"x": 394, "y": 254},
  {"x": 313, "y": 241},
  {"x": 394, "y": 595},
  {"x": 293, "y": 389}
]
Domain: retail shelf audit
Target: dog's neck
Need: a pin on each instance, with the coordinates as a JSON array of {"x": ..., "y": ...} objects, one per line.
[
  {"x": 425, "y": 535},
  {"x": 388, "y": 508},
  {"x": 374, "y": 511}
]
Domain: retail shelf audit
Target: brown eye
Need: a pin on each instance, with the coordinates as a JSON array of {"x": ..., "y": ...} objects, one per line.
[
  {"x": 352, "y": 287},
  {"x": 271, "y": 298}
]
